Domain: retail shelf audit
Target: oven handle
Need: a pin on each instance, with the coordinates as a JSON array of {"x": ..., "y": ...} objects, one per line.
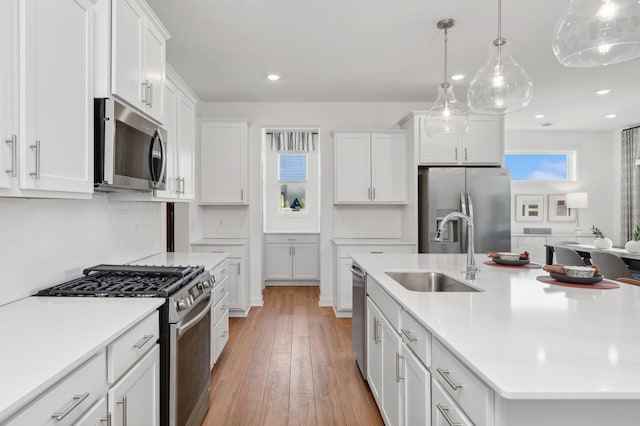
[{"x": 185, "y": 327}]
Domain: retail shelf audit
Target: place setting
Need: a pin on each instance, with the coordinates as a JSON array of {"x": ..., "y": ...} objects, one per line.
[
  {"x": 588, "y": 277},
  {"x": 511, "y": 260}
]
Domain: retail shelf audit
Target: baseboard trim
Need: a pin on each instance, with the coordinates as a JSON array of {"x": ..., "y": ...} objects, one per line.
[
  {"x": 257, "y": 302},
  {"x": 325, "y": 301},
  {"x": 341, "y": 314},
  {"x": 291, "y": 284}
]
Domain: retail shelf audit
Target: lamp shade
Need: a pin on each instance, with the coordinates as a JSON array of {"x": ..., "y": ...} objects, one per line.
[{"x": 577, "y": 200}]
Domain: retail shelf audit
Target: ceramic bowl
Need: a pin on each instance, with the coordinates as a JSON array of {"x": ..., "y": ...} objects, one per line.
[
  {"x": 509, "y": 256},
  {"x": 579, "y": 271}
]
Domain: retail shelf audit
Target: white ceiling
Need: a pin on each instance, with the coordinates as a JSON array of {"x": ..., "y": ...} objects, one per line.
[{"x": 384, "y": 50}]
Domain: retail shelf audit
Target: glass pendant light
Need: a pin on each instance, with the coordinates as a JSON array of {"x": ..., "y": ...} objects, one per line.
[
  {"x": 502, "y": 85},
  {"x": 447, "y": 116},
  {"x": 591, "y": 33}
]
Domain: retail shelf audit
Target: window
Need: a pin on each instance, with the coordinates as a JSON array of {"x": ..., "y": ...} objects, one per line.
[
  {"x": 541, "y": 166},
  {"x": 292, "y": 178}
]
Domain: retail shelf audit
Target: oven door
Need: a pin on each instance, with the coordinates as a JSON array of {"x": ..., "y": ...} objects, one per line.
[{"x": 189, "y": 367}]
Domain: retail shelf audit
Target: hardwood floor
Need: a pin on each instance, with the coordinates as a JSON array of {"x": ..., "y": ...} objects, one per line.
[{"x": 289, "y": 363}]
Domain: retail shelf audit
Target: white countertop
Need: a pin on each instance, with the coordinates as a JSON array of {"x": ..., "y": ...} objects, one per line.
[
  {"x": 220, "y": 242},
  {"x": 208, "y": 260},
  {"x": 372, "y": 241},
  {"x": 524, "y": 338},
  {"x": 45, "y": 338}
]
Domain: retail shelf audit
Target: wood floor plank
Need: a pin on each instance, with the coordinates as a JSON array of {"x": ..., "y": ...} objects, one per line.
[
  {"x": 320, "y": 352},
  {"x": 302, "y": 410},
  {"x": 329, "y": 409},
  {"x": 275, "y": 405},
  {"x": 301, "y": 372}
]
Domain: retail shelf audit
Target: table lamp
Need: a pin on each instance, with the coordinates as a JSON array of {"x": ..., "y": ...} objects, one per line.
[{"x": 577, "y": 200}]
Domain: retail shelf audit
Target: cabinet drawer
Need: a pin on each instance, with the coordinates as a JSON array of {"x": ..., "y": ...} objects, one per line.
[
  {"x": 416, "y": 337},
  {"x": 291, "y": 238},
  {"x": 474, "y": 397},
  {"x": 220, "y": 335},
  {"x": 96, "y": 416},
  {"x": 221, "y": 308},
  {"x": 234, "y": 251},
  {"x": 444, "y": 411},
  {"x": 385, "y": 303},
  {"x": 129, "y": 348},
  {"x": 220, "y": 272},
  {"x": 345, "y": 251},
  {"x": 69, "y": 398},
  {"x": 220, "y": 290}
]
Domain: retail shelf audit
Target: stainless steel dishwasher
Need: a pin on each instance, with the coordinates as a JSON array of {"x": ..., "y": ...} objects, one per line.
[{"x": 359, "y": 317}]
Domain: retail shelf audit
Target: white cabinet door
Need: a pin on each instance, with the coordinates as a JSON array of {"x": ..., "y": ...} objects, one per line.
[
  {"x": 128, "y": 22},
  {"x": 171, "y": 93},
  {"x": 9, "y": 94},
  {"x": 154, "y": 72},
  {"x": 388, "y": 168},
  {"x": 234, "y": 283},
  {"x": 352, "y": 167},
  {"x": 223, "y": 163},
  {"x": 186, "y": 143},
  {"x": 390, "y": 374},
  {"x": 134, "y": 399},
  {"x": 483, "y": 142},
  {"x": 416, "y": 391},
  {"x": 374, "y": 351},
  {"x": 444, "y": 410},
  {"x": 305, "y": 262},
  {"x": 345, "y": 290},
  {"x": 439, "y": 149},
  {"x": 58, "y": 140},
  {"x": 279, "y": 258}
]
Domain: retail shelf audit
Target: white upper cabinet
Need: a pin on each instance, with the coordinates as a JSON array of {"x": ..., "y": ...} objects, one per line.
[
  {"x": 47, "y": 147},
  {"x": 172, "y": 186},
  {"x": 370, "y": 168},
  {"x": 186, "y": 145},
  {"x": 223, "y": 162},
  {"x": 138, "y": 45},
  {"x": 482, "y": 144}
]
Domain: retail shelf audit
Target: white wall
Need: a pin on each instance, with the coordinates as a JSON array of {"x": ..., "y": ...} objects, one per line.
[
  {"x": 327, "y": 117},
  {"x": 597, "y": 174},
  {"x": 45, "y": 242}
]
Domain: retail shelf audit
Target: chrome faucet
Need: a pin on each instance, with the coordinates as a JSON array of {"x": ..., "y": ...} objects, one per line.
[{"x": 472, "y": 270}]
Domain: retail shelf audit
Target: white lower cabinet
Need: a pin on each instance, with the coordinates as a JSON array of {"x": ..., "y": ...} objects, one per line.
[
  {"x": 98, "y": 415},
  {"x": 416, "y": 389},
  {"x": 291, "y": 257},
  {"x": 134, "y": 399},
  {"x": 221, "y": 294},
  {"x": 445, "y": 412}
]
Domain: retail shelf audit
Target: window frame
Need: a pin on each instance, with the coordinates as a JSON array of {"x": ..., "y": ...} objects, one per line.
[{"x": 572, "y": 164}]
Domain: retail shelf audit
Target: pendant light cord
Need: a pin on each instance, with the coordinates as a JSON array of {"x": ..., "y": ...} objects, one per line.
[
  {"x": 499, "y": 19},
  {"x": 445, "y": 56}
]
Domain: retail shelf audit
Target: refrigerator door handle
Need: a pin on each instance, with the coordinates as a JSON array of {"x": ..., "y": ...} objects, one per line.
[
  {"x": 463, "y": 203},
  {"x": 469, "y": 207}
]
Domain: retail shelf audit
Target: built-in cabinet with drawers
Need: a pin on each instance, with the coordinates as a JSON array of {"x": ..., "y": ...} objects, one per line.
[
  {"x": 292, "y": 257},
  {"x": 237, "y": 282},
  {"x": 117, "y": 386},
  {"x": 223, "y": 162},
  {"x": 371, "y": 167},
  {"x": 535, "y": 244},
  {"x": 343, "y": 249},
  {"x": 46, "y": 150},
  {"x": 220, "y": 309}
]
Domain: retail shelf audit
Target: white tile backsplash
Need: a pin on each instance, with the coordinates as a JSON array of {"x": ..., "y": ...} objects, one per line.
[
  {"x": 224, "y": 221},
  {"x": 44, "y": 242},
  {"x": 375, "y": 221}
]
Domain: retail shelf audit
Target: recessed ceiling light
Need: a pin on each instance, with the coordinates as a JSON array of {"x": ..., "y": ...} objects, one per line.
[
  {"x": 457, "y": 77},
  {"x": 539, "y": 116},
  {"x": 610, "y": 116},
  {"x": 546, "y": 124},
  {"x": 273, "y": 77},
  {"x": 603, "y": 91}
]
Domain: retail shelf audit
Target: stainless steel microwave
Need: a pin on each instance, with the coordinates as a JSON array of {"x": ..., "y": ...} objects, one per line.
[{"x": 129, "y": 150}]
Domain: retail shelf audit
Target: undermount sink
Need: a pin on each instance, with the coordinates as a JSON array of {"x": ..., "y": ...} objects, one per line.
[{"x": 429, "y": 282}]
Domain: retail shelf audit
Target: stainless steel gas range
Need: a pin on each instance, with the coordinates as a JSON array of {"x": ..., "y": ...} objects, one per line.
[{"x": 185, "y": 327}]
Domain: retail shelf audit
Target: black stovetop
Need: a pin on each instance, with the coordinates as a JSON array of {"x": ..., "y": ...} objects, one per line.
[{"x": 126, "y": 281}]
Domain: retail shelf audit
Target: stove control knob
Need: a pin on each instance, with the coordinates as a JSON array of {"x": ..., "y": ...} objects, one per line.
[
  {"x": 190, "y": 300},
  {"x": 182, "y": 304}
]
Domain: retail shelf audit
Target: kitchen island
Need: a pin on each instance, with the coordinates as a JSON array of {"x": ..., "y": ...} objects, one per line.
[{"x": 551, "y": 355}]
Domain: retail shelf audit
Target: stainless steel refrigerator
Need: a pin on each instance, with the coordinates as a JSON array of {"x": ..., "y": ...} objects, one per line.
[{"x": 482, "y": 193}]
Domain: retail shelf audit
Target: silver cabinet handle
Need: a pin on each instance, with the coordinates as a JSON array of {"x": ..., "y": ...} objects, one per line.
[
  {"x": 124, "y": 409},
  {"x": 241, "y": 194},
  {"x": 375, "y": 331},
  {"x": 294, "y": 250},
  {"x": 465, "y": 154},
  {"x": 377, "y": 338},
  {"x": 408, "y": 334},
  {"x": 150, "y": 86},
  {"x": 13, "y": 171},
  {"x": 106, "y": 419},
  {"x": 398, "y": 376},
  {"x": 369, "y": 194},
  {"x": 144, "y": 92},
  {"x": 238, "y": 269},
  {"x": 374, "y": 194},
  {"x": 178, "y": 185},
  {"x": 223, "y": 272},
  {"x": 456, "y": 153},
  {"x": 443, "y": 410},
  {"x": 77, "y": 400},
  {"x": 290, "y": 251},
  {"x": 143, "y": 341},
  {"x": 224, "y": 333},
  {"x": 291, "y": 239},
  {"x": 225, "y": 307},
  {"x": 376, "y": 252},
  {"x": 36, "y": 174},
  {"x": 225, "y": 289},
  {"x": 445, "y": 376}
]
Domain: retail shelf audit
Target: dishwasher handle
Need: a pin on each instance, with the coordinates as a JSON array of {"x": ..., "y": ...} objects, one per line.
[{"x": 355, "y": 270}]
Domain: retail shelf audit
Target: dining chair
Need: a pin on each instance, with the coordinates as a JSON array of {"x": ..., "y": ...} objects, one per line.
[
  {"x": 568, "y": 257},
  {"x": 610, "y": 265}
]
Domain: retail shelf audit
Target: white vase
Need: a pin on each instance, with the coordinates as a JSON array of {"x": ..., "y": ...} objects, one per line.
[
  {"x": 632, "y": 246},
  {"x": 603, "y": 243}
]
